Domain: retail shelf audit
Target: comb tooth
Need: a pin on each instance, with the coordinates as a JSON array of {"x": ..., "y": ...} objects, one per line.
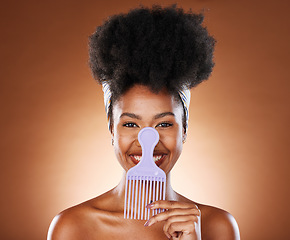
[
  {"x": 139, "y": 200},
  {"x": 154, "y": 183},
  {"x": 125, "y": 202},
  {"x": 164, "y": 188},
  {"x": 146, "y": 198},
  {"x": 143, "y": 198},
  {"x": 129, "y": 197},
  {"x": 157, "y": 193},
  {"x": 160, "y": 193},
  {"x": 132, "y": 196},
  {"x": 136, "y": 198},
  {"x": 149, "y": 199}
]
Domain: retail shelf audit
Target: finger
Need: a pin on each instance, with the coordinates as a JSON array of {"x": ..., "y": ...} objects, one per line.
[
  {"x": 170, "y": 205},
  {"x": 175, "y": 219},
  {"x": 184, "y": 228},
  {"x": 163, "y": 216}
]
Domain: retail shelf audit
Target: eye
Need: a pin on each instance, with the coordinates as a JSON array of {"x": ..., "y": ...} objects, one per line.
[
  {"x": 130, "y": 125},
  {"x": 164, "y": 124}
]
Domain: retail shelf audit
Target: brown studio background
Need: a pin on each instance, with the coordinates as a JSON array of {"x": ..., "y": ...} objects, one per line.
[{"x": 55, "y": 147}]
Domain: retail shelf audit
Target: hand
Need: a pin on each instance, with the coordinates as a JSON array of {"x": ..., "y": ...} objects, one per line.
[{"x": 182, "y": 220}]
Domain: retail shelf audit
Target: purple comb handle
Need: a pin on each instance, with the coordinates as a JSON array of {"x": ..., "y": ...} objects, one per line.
[{"x": 148, "y": 138}]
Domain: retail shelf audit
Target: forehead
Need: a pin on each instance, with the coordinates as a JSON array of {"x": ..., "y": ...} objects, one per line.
[{"x": 142, "y": 101}]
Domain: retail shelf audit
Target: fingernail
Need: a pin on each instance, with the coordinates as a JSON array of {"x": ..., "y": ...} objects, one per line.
[
  {"x": 150, "y": 205},
  {"x": 146, "y": 224}
]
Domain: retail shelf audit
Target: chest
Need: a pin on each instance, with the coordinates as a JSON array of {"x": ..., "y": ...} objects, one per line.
[{"x": 124, "y": 229}]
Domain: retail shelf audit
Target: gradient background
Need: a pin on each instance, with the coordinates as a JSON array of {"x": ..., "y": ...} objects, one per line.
[{"x": 55, "y": 146}]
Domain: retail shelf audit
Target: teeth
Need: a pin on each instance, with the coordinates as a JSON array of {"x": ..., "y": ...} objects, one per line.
[
  {"x": 138, "y": 158},
  {"x": 155, "y": 158}
]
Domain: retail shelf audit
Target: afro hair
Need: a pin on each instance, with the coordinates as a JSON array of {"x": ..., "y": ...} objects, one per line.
[{"x": 156, "y": 47}]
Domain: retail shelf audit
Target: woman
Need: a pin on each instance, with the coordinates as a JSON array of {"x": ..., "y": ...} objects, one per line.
[{"x": 147, "y": 60}]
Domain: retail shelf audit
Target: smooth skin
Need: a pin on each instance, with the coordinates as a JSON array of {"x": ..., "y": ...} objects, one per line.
[{"x": 102, "y": 217}]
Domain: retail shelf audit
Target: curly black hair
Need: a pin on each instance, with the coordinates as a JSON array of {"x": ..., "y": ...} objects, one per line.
[{"x": 157, "y": 47}]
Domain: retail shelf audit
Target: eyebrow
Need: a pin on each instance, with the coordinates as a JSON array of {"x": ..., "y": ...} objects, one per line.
[
  {"x": 157, "y": 116},
  {"x": 131, "y": 115},
  {"x": 161, "y": 115}
]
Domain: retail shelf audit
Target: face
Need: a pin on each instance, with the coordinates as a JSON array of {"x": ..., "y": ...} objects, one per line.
[{"x": 139, "y": 108}]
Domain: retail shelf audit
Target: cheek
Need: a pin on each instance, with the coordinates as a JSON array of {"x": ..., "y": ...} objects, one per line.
[
  {"x": 173, "y": 142},
  {"x": 120, "y": 149},
  {"x": 122, "y": 143},
  {"x": 176, "y": 147}
]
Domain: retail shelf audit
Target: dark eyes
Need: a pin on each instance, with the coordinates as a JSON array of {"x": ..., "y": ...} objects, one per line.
[
  {"x": 164, "y": 125},
  {"x": 130, "y": 125},
  {"x": 133, "y": 125}
]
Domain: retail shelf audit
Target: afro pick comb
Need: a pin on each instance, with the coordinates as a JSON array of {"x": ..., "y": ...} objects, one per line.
[{"x": 145, "y": 182}]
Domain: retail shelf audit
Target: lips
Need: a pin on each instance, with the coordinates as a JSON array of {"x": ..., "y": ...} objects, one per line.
[{"x": 158, "y": 158}]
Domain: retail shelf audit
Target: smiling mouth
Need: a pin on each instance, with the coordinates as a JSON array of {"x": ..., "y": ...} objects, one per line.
[{"x": 158, "y": 159}]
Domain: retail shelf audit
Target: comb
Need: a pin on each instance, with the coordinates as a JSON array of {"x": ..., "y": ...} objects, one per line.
[{"x": 145, "y": 182}]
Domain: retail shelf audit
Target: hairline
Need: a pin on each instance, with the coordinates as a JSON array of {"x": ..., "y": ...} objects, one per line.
[{"x": 177, "y": 99}]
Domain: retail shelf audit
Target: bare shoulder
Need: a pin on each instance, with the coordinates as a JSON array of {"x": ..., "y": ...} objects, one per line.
[
  {"x": 218, "y": 224},
  {"x": 84, "y": 220},
  {"x": 69, "y": 224}
]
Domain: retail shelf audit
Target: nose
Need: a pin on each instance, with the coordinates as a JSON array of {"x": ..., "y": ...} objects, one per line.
[
  {"x": 147, "y": 135},
  {"x": 139, "y": 145}
]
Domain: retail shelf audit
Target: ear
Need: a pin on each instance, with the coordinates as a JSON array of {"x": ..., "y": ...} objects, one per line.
[
  {"x": 112, "y": 134},
  {"x": 112, "y": 130},
  {"x": 184, "y": 136}
]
